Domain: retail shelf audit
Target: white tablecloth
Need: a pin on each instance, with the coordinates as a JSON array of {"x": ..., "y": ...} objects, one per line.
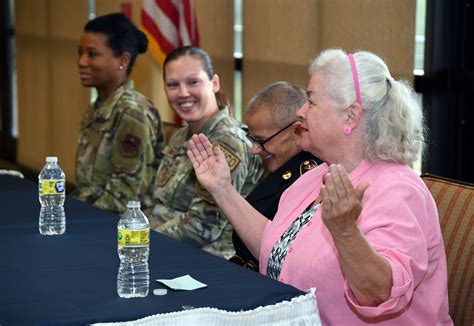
[{"x": 301, "y": 311}]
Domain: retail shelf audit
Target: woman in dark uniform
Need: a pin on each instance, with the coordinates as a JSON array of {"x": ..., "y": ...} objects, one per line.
[{"x": 269, "y": 116}]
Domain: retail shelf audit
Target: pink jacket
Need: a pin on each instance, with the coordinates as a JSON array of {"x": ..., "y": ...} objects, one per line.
[{"x": 400, "y": 221}]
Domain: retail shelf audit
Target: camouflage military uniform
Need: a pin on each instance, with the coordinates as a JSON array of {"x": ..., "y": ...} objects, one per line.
[
  {"x": 182, "y": 208},
  {"x": 119, "y": 150}
]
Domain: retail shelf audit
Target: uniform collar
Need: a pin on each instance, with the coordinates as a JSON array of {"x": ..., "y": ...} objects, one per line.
[
  {"x": 214, "y": 120},
  {"x": 104, "y": 110},
  {"x": 183, "y": 134},
  {"x": 284, "y": 176}
]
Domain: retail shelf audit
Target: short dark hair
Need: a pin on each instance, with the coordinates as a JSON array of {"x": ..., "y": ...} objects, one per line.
[
  {"x": 122, "y": 35},
  {"x": 282, "y": 99}
]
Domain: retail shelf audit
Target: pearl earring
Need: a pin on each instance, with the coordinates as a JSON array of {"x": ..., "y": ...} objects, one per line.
[{"x": 121, "y": 67}]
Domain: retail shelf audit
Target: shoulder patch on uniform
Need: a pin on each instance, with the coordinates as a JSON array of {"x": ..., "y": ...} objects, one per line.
[
  {"x": 231, "y": 158},
  {"x": 130, "y": 144},
  {"x": 307, "y": 165}
]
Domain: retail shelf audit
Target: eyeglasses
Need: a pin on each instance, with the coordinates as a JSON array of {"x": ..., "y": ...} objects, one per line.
[{"x": 260, "y": 143}]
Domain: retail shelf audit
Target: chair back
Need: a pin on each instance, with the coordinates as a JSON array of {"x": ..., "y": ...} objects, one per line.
[
  {"x": 455, "y": 203},
  {"x": 13, "y": 173}
]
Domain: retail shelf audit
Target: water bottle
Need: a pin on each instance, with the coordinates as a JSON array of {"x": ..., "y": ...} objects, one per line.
[
  {"x": 52, "y": 190},
  {"x": 133, "y": 277}
]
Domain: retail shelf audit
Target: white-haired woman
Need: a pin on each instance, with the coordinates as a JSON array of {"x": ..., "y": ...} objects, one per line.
[{"x": 363, "y": 228}]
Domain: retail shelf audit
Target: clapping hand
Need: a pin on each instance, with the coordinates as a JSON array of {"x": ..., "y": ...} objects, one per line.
[
  {"x": 341, "y": 202},
  {"x": 209, "y": 164}
]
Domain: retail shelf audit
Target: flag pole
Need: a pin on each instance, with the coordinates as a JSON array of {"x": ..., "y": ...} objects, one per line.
[
  {"x": 91, "y": 9},
  {"x": 91, "y": 15}
]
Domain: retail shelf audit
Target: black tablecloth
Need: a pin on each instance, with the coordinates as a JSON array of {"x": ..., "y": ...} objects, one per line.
[{"x": 72, "y": 278}]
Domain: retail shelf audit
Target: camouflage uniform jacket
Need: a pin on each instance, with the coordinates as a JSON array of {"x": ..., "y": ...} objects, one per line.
[
  {"x": 186, "y": 211},
  {"x": 119, "y": 150}
]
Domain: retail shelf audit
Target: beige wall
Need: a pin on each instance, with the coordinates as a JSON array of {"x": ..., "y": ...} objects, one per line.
[
  {"x": 280, "y": 38},
  {"x": 216, "y": 25},
  {"x": 50, "y": 97}
]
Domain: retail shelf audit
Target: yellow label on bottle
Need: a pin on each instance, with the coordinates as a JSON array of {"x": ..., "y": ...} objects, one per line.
[
  {"x": 52, "y": 187},
  {"x": 133, "y": 238}
]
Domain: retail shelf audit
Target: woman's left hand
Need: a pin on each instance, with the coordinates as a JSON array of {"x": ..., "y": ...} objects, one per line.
[
  {"x": 368, "y": 274},
  {"x": 341, "y": 202}
]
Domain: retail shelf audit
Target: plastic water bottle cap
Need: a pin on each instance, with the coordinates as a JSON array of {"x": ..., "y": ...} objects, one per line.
[
  {"x": 133, "y": 204},
  {"x": 160, "y": 291},
  {"x": 51, "y": 159}
]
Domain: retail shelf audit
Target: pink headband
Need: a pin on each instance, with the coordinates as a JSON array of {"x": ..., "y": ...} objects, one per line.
[{"x": 356, "y": 77}]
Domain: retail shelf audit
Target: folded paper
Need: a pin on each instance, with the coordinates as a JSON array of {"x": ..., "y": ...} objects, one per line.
[{"x": 185, "y": 282}]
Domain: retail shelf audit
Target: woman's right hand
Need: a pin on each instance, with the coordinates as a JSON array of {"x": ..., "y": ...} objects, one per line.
[{"x": 209, "y": 164}]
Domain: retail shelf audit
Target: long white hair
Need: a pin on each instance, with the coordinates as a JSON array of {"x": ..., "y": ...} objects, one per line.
[{"x": 393, "y": 118}]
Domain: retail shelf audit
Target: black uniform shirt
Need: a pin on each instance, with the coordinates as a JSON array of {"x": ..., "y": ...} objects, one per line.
[{"x": 265, "y": 198}]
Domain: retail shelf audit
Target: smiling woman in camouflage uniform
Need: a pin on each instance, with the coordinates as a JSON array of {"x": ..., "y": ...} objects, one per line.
[
  {"x": 182, "y": 208},
  {"x": 120, "y": 141}
]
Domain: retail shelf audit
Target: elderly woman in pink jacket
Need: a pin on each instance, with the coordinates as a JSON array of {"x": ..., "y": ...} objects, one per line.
[{"x": 363, "y": 228}]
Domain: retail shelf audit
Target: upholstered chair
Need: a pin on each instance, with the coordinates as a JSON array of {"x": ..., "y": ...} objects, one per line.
[{"x": 456, "y": 216}]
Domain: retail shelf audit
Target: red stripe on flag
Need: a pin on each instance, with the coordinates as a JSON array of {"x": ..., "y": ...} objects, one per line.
[
  {"x": 126, "y": 9},
  {"x": 184, "y": 10},
  {"x": 170, "y": 10},
  {"x": 187, "y": 19},
  {"x": 150, "y": 25}
]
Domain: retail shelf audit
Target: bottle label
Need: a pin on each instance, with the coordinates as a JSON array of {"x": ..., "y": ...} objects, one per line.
[
  {"x": 52, "y": 187},
  {"x": 133, "y": 238}
]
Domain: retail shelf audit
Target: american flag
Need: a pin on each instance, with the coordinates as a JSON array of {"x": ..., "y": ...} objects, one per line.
[{"x": 169, "y": 24}]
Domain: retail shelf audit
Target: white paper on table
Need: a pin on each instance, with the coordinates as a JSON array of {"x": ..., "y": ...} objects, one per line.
[{"x": 185, "y": 282}]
